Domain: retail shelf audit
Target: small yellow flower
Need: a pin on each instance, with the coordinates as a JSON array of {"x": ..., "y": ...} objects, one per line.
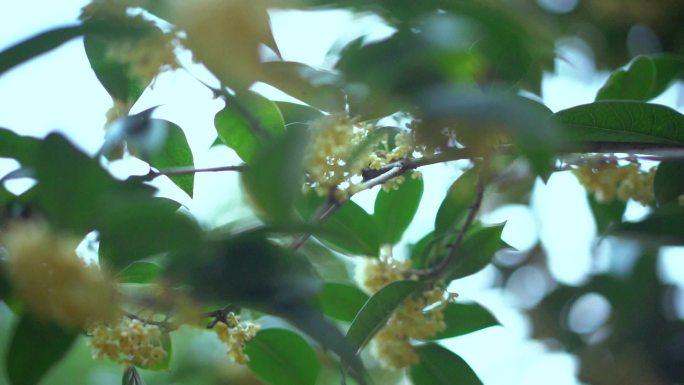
[
  {"x": 130, "y": 342},
  {"x": 607, "y": 180},
  {"x": 234, "y": 335},
  {"x": 53, "y": 282}
]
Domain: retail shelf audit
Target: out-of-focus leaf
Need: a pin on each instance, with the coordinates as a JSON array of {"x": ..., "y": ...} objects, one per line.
[
  {"x": 606, "y": 214},
  {"x": 240, "y": 123},
  {"x": 282, "y": 357},
  {"x": 139, "y": 272},
  {"x": 644, "y": 79},
  {"x": 377, "y": 310},
  {"x": 294, "y": 113},
  {"x": 314, "y": 87},
  {"x": 25, "y": 364},
  {"x": 21, "y": 148},
  {"x": 459, "y": 198},
  {"x": 477, "y": 250},
  {"x": 668, "y": 184},
  {"x": 394, "y": 210},
  {"x": 352, "y": 231},
  {"x": 341, "y": 301},
  {"x": 175, "y": 152},
  {"x": 622, "y": 121},
  {"x": 133, "y": 230},
  {"x": 440, "y": 366},
  {"x": 664, "y": 226},
  {"x": 330, "y": 266},
  {"x": 132, "y": 377},
  {"x": 464, "y": 318},
  {"x": 275, "y": 177}
]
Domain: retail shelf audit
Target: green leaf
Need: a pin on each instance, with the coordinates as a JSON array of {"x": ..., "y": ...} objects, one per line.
[
  {"x": 377, "y": 310},
  {"x": 36, "y": 346},
  {"x": 455, "y": 205},
  {"x": 21, "y": 148},
  {"x": 136, "y": 229},
  {"x": 668, "y": 184},
  {"x": 139, "y": 272},
  {"x": 297, "y": 113},
  {"x": 644, "y": 79},
  {"x": 664, "y": 226},
  {"x": 477, "y": 250},
  {"x": 352, "y": 231},
  {"x": 330, "y": 266},
  {"x": 275, "y": 177},
  {"x": 132, "y": 377},
  {"x": 465, "y": 318},
  {"x": 236, "y": 123},
  {"x": 282, "y": 357},
  {"x": 622, "y": 121},
  {"x": 440, "y": 366},
  {"x": 314, "y": 87},
  {"x": 175, "y": 152},
  {"x": 394, "y": 210},
  {"x": 421, "y": 251},
  {"x": 341, "y": 301},
  {"x": 606, "y": 214}
]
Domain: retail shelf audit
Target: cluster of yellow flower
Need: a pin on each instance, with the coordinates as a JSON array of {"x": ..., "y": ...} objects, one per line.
[
  {"x": 608, "y": 180},
  {"x": 234, "y": 335},
  {"x": 53, "y": 281},
  {"x": 131, "y": 342},
  {"x": 419, "y": 317}
]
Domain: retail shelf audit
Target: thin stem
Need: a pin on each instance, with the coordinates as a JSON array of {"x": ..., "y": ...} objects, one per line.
[{"x": 192, "y": 170}]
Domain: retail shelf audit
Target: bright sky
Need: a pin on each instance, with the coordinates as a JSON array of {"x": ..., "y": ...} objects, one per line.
[{"x": 58, "y": 91}]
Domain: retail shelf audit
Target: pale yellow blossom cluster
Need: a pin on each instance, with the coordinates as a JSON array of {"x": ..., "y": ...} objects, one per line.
[
  {"x": 130, "y": 342},
  {"x": 234, "y": 335},
  {"x": 419, "y": 317},
  {"x": 609, "y": 180},
  {"x": 53, "y": 282}
]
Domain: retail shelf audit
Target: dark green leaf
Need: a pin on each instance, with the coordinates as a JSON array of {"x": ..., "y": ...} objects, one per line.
[
  {"x": 664, "y": 226},
  {"x": 352, "y": 231},
  {"x": 21, "y": 148},
  {"x": 440, "y": 366},
  {"x": 622, "y": 121},
  {"x": 668, "y": 184},
  {"x": 377, "y": 310},
  {"x": 341, "y": 301},
  {"x": 477, "y": 250},
  {"x": 394, "y": 210},
  {"x": 132, "y": 377},
  {"x": 35, "y": 347},
  {"x": 175, "y": 152},
  {"x": 282, "y": 357},
  {"x": 420, "y": 251},
  {"x": 465, "y": 318},
  {"x": 606, "y": 214},
  {"x": 314, "y": 87},
  {"x": 644, "y": 79},
  {"x": 241, "y": 122},
  {"x": 275, "y": 177},
  {"x": 139, "y": 272},
  {"x": 455, "y": 205}
]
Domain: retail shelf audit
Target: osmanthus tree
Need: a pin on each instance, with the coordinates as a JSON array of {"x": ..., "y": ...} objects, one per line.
[{"x": 453, "y": 82}]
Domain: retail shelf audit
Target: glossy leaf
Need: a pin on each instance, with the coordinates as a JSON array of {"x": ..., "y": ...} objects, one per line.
[
  {"x": 420, "y": 251},
  {"x": 175, "y": 152},
  {"x": 341, "y": 301},
  {"x": 352, "y": 231},
  {"x": 377, "y": 310},
  {"x": 26, "y": 364},
  {"x": 21, "y": 148},
  {"x": 606, "y": 215},
  {"x": 477, "y": 250},
  {"x": 668, "y": 184},
  {"x": 644, "y": 79},
  {"x": 622, "y": 121},
  {"x": 275, "y": 177},
  {"x": 282, "y": 357},
  {"x": 440, "y": 366},
  {"x": 395, "y": 209},
  {"x": 455, "y": 205},
  {"x": 464, "y": 318},
  {"x": 139, "y": 272},
  {"x": 664, "y": 226},
  {"x": 246, "y": 123}
]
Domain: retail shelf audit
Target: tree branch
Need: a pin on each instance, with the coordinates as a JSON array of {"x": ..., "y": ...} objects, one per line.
[{"x": 192, "y": 170}]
